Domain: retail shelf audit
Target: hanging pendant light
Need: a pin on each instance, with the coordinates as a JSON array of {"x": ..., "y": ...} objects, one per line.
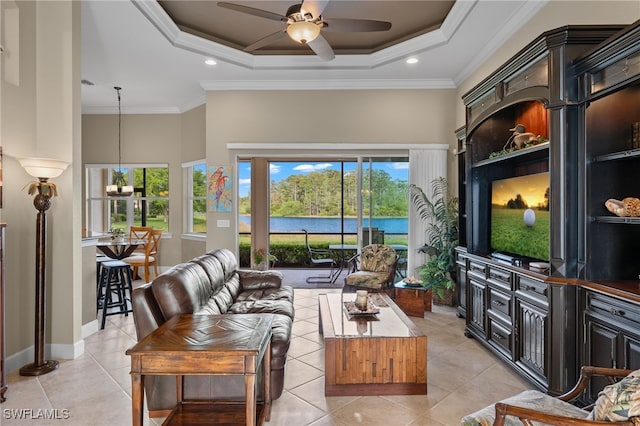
[{"x": 118, "y": 187}]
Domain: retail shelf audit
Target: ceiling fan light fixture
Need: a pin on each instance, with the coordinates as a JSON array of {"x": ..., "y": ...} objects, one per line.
[{"x": 303, "y": 32}]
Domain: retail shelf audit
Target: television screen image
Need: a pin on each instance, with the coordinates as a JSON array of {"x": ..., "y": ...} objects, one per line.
[{"x": 520, "y": 216}]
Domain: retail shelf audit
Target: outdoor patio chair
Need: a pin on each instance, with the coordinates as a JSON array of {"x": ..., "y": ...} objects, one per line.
[
  {"x": 373, "y": 269},
  {"x": 322, "y": 258}
]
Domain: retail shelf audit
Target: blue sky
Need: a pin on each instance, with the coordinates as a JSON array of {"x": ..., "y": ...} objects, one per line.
[{"x": 281, "y": 170}]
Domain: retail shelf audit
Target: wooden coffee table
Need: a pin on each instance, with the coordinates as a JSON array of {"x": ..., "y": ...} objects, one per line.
[
  {"x": 206, "y": 345},
  {"x": 382, "y": 354}
]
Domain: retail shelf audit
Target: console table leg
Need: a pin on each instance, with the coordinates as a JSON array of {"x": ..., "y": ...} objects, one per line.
[
  {"x": 266, "y": 368},
  {"x": 250, "y": 390},
  {"x": 137, "y": 398}
]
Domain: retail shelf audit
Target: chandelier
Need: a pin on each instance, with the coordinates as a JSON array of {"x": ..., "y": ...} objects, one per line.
[{"x": 118, "y": 187}]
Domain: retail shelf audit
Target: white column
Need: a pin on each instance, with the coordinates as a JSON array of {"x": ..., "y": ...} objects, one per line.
[{"x": 425, "y": 165}]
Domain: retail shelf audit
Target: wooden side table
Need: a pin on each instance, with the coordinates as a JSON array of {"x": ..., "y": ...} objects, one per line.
[
  {"x": 206, "y": 345},
  {"x": 412, "y": 300}
]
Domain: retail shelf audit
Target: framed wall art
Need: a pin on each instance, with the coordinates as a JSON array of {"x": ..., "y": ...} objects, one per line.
[{"x": 219, "y": 189}]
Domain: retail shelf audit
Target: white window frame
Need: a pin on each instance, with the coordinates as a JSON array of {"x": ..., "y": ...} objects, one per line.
[
  {"x": 89, "y": 199},
  {"x": 190, "y": 198}
]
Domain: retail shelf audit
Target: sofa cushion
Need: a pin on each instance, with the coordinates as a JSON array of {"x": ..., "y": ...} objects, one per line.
[
  {"x": 283, "y": 293},
  {"x": 228, "y": 261},
  {"x": 281, "y": 307},
  {"x": 256, "y": 280},
  {"x": 212, "y": 267},
  {"x": 185, "y": 288}
]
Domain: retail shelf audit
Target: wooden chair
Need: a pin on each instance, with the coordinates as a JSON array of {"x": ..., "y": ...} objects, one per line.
[
  {"x": 149, "y": 257},
  {"x": 534, "y": 406},
  {"x": 139, "y": 233},
  {"x": 321, "y": 258}
]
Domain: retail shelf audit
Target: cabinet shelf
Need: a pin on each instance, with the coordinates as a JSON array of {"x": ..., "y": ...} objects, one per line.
[
  {"x": 535, "y": 152},
  {"x": 620, "y": 155},
  {"x": 616, "y": 219}
]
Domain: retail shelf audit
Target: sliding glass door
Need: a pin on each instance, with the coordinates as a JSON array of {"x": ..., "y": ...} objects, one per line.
[{"x": 338, "y": 201}]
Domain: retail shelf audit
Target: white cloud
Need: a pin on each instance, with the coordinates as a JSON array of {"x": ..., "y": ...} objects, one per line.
[
  {"x": 400, "y": 166},
  {"x": 274, "y": 168},
  {"x": 244, "y": 181},
  {"x": 307, "y": 168}
]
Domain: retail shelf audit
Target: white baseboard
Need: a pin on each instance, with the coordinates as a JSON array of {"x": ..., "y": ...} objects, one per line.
[
  {"x": 55, "y": 351},
  {"x": 89, "y": 328}
]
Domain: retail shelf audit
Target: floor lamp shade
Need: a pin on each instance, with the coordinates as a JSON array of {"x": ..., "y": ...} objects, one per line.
[{"x": 43, "y": 169}]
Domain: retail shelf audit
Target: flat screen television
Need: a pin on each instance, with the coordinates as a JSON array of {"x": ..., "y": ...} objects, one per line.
[{"x": 520, "y": 216}]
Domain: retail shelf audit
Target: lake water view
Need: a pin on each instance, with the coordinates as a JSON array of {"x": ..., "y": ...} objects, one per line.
[{"x": 332, "y": 225}]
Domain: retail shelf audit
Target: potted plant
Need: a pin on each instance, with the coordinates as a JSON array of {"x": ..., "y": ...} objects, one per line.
[
  {"x": 261, "y": 260},
  {"x": 440, "y": 213},
  {"x": 117, "y": 234}
]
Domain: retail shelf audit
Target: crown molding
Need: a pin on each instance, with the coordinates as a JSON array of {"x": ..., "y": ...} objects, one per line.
[
  {"x": 178, "y": 38},
  {"x": 345, "y": 84},
  {"x": 305, "y": 146},
  {"x": 510, "y": 27}
]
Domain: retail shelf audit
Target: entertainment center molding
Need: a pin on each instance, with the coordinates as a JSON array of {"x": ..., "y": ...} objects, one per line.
[{"x": 548, "y": 277}]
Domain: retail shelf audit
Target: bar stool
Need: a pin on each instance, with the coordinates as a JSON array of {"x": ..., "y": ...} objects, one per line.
[
  {"x": 100, "y": 259},
  {"x": 115, "y": 281}
]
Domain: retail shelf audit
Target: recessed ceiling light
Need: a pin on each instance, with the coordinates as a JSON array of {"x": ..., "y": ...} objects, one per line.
[
  {"x": 412, "y": 60},
  {"x": 210, "y": 61}
]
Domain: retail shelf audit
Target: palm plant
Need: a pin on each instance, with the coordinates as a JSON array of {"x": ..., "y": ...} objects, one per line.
[{"x": 440, "y": 213}]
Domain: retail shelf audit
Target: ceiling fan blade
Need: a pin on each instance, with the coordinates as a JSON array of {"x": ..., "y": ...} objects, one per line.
[
  {"x": 316, "y": 7},
  {"x": 264, "y": 41},
  {"x": 321, "y": 48},
  {"x": 253, "y": 11},
  {"x": 355, "y": 25}
]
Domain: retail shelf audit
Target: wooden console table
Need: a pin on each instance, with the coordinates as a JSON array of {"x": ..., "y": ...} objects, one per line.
[{"x": 206, "y": 345}]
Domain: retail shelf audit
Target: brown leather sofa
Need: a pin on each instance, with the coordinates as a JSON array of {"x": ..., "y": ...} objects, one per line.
[{"x": 212, "y": 284}]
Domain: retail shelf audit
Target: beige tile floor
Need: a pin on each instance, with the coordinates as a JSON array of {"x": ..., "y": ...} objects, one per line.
[{"x": 95, "y": 389}]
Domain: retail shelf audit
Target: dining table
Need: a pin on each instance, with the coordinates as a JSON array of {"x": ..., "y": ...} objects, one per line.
[{"x": 118, "y": 248}]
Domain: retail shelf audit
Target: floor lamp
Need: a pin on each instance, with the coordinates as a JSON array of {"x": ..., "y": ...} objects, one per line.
[{"x": 43, "y": 169}]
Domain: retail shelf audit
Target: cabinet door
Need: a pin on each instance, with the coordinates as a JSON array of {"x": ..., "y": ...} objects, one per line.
[
  {"x": 601, "y": 351},
  {"x": 462, "y": 290},
  {"x": 477, "y": 305},
  {"x": 630, "y": 352},
  {"x": 531, "y": 332}
]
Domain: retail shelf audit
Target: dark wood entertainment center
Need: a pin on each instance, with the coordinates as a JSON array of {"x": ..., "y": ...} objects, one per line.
[{"x": 579, "y": 88}]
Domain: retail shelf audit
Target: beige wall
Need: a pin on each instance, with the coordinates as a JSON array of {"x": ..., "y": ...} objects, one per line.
[
  {"x": 556, "y": 13},
  {"x": 146, "y": 139},
  {"x": 299, "y": 117},
  {"x": 41, "y": 118},
  {"x": 193, "y": 149}
]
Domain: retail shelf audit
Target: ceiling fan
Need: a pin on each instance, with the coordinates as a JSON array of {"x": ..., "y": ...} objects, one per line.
[{"x": 304, "y": 22}]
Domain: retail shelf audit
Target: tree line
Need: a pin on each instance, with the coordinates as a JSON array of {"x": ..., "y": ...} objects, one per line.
[{"x": 325, "y": 193}]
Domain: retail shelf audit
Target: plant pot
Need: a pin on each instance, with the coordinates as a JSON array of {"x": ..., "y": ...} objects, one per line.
[
  {"x": 447, "y": 299},
  {"x": 262, "y": 266}
]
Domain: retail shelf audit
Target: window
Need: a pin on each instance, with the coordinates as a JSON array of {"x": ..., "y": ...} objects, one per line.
[
  {"x": 149, "y": 205},
  {"x": 196, "y": 197}
]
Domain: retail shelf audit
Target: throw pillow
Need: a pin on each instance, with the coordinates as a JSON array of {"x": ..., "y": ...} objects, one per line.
[{"x": 619, "y": 401}]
